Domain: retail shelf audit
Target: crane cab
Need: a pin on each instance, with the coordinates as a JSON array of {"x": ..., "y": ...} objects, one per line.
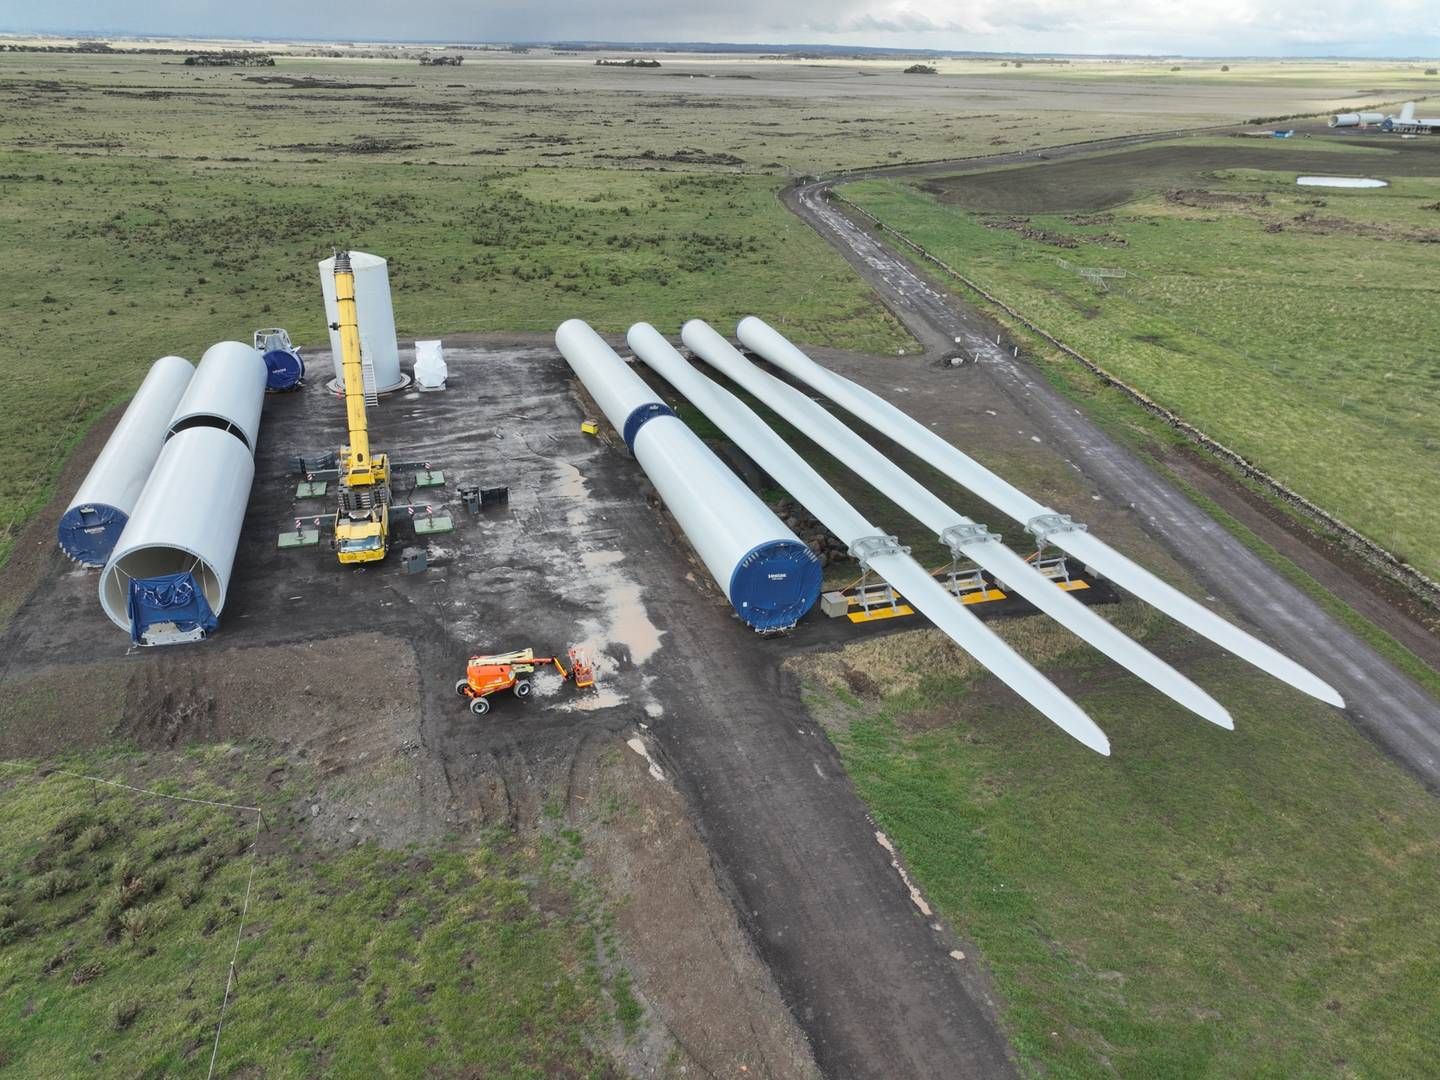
[{"x": 362, "y": 537}]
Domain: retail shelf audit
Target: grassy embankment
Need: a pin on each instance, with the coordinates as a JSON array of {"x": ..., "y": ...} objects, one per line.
[
  {"x": 119, "y": 914},
  {"x": 1292, "y": 325},
  {"x": 1203, "y": 903}
]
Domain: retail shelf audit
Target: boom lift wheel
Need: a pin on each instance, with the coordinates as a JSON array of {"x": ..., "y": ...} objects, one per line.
[
  {"x": 460, "y": 685},
  {"x": 479, "y": 706},
  {"x": 523, "y": 688}
]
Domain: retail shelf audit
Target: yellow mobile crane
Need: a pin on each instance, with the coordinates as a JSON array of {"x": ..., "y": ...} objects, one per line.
[{"x": 362, "y": 521}]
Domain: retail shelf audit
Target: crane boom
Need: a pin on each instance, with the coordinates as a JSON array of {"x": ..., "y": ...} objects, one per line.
[
  {"x": 359, "y": 470},
  {"x": 362, "y": 521}
]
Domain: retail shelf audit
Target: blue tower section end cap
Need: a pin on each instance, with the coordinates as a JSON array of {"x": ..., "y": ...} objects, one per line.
[
  {"x": 775, "y": 584},
  {"x": 168, "y": 598},
  {"x": 89, "y": 532},
  {"x": 284, "y": 369}
]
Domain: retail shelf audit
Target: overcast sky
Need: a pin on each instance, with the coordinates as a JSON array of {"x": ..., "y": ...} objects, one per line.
[{"x": 1197, "y": 27}]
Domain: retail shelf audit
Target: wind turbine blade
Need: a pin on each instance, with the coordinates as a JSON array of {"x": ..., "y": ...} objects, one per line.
[
  {"x": 1019, "y": 576},
  {"x": 757, "y": 439},
  {"x": 889, "y": 479},
  {"x": 1010, "y": 500},
  {"x": 1159, "y": 594},
  {"x": 927, "y": 596}
]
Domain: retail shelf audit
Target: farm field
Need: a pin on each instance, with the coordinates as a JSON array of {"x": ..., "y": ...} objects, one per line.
[
  {"x": 694, "y": 111},
  {"x": 1290, "y": 324},
  {"x": 506, "y": 191}
]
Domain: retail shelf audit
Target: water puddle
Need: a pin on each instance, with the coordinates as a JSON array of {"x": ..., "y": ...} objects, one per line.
[
  {"x": 627, "y": 622},
  {"x": 1340, "y": 181}
]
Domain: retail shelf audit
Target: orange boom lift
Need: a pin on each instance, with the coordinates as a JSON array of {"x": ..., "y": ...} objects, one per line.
[{"x": 513, "y": 671}]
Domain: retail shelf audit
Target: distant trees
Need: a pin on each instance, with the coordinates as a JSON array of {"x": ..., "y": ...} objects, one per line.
[
  {"x": 233, "y": 58},
  {"x": 1224, "y": 67},
  {"x": 632, "y": 62},
  {"x": 441, "y": 61},
  {"x": 1432, "y": 71},
  {"x": 83, "y": 47},
  {"x": 921, "y": 69}
]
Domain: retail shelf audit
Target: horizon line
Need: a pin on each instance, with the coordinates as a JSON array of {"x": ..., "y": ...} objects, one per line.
[{"x": 681, "y": 46}]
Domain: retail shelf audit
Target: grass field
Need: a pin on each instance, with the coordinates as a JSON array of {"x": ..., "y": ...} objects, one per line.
[
  {"x": 1292, "y": 325},
  {"x": 695, "y": 111},
  {"x": 115, "y": 262},
  {"x": 1202, "y": 904},
  {"x": 155, "y": 208},
  {"x": 119, "y": 914}
]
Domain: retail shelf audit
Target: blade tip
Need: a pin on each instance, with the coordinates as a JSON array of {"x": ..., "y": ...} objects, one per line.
[
  {"x": 1318, "y": 688},
  {"x": 1220, "y": 717}
]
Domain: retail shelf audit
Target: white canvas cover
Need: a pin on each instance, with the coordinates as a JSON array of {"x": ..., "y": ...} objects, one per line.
[{"x": 430, "y": 369}]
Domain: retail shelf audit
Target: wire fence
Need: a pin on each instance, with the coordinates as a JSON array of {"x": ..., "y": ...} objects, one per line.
[
  {"x": 1095, "y": 275},
  {"x": 45, "y": 771}
]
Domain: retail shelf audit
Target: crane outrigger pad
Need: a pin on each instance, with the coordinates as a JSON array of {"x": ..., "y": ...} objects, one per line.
[
  {"x": 436, "y": 523},
  {"x": 298, "y": 539}
]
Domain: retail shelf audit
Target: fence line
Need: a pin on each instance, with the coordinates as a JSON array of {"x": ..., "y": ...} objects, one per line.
[
  {"x": 235, "y": 953},
  {"x": 1381, "y": 558},
  {"x": 46, "y": 771}
]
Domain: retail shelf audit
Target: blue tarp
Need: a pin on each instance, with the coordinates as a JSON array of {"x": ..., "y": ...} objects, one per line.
[
  {"x": 88, "y": 533},
  {"x": 284, "y": 369},
  {"x": 169, "y": 598}
]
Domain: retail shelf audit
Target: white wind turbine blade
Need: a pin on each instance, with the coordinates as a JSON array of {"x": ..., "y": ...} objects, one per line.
[
  {"x": 929, "y": 597},
  {"x": 953, "y": 528},
  {"x": 1047, "y": 525},
  {"x": 921, "y": 591}
]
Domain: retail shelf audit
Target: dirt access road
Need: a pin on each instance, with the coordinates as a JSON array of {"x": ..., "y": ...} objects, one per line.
[{"x": 1385, "y": 703}]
